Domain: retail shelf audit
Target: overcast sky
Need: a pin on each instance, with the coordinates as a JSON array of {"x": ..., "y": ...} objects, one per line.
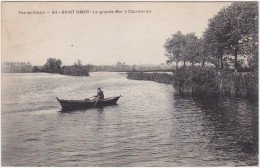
[{"x": 100, "y": 39}]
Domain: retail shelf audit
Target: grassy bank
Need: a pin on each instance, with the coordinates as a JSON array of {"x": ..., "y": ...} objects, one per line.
[{"x": 206, "y": 81}]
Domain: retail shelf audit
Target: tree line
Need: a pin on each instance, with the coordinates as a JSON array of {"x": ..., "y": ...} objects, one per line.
[
  {"x": 231, "y": 34},
  {"x": 123, "y": 67},
  {"x": 16, "y": 67},
  {"x": 52, "y": 65},
  {"x": 224, "y": 61}
]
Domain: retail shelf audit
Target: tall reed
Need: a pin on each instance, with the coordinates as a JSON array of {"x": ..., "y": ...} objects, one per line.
[{"x": 206, "y": 81}]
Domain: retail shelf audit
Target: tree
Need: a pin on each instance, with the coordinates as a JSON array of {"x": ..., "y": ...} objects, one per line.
[
  {"x": 215, "y": 36},
  {"x": 243, "y": 33},
  {"x": 233, "y": 30},
  {"x": 78, "y": 63},
  {"x": 35, "y": 69},
  {"x": 190, "y": 51},
  {"x": 174, "y": 47},
  {"x": 52, "y": 65},
  {"x": 203, "y": 51}
]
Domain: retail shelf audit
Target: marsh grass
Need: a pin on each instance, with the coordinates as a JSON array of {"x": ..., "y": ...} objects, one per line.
[
  {"x": 206, "y": 81},
  {"x": 157, "y": 77}
]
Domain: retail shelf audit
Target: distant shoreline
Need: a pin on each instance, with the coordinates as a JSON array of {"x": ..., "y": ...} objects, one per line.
[
  {"x": 138, "y": 71},
  {"x": 96, "y": 71}
]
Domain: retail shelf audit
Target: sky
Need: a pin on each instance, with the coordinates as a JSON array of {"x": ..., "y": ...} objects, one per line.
[{"x": 99, "y": 39}]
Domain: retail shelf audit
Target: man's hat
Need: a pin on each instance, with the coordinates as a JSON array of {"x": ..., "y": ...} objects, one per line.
[{"x": 99, "y": 88}]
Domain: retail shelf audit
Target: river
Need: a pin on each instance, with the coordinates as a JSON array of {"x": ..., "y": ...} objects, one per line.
[{"x": 151, "y": 125}]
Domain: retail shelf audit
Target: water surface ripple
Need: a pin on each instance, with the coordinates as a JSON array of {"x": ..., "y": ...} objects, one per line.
[{"x": 151, "y": 125}]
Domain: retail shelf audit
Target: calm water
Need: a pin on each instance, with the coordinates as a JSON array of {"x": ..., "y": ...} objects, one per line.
[{"x": 150, "y": 126}]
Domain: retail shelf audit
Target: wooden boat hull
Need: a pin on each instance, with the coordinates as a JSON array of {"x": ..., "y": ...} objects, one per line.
[{"x": 68, "y": 105}]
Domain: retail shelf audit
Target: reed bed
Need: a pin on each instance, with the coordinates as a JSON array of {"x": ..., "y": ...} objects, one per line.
[
  {"x": 157, "y": 77},
  {"x": 206, "y": 81}
]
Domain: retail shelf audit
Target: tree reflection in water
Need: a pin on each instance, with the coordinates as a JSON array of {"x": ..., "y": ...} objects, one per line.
[{"x": 224, "y": 127}]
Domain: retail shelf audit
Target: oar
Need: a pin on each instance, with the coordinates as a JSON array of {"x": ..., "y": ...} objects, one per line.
[{"x": 95, "y": 103}]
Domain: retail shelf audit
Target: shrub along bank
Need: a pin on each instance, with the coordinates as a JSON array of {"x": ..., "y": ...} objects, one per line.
[{"x": 206, "y": 81}]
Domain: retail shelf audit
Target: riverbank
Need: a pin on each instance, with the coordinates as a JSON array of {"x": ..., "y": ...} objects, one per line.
[{"x": 206, "y": 81}]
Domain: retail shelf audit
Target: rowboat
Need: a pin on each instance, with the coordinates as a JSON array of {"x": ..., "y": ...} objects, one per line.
[{"x": 68, "y": 105}]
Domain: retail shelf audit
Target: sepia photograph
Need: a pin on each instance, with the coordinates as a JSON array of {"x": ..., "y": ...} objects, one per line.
[{"x": 129, "y": 84}]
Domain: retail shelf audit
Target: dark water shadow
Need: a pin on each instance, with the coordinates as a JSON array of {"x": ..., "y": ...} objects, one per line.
[
  {"x": 99, "y": 109},
  {"x": 232, "y": 117},
  {"x": 230, "y": 125}
]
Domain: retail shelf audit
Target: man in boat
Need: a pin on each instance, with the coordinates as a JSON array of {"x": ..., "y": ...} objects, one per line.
[{"x": 100, "y": 94}]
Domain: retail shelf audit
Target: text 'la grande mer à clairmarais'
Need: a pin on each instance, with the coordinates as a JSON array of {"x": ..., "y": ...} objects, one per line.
[{"x": 32, "y": 12}]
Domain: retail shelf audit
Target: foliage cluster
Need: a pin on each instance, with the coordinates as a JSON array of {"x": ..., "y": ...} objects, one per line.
[
  {"x": 230, "y": 44},
  {"x": 232, "y": 33},
  {"x": 54, "y": 65}
]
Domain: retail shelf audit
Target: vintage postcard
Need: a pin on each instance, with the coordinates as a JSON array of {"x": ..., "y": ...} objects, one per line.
[{"x": 129, "y": 84}]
